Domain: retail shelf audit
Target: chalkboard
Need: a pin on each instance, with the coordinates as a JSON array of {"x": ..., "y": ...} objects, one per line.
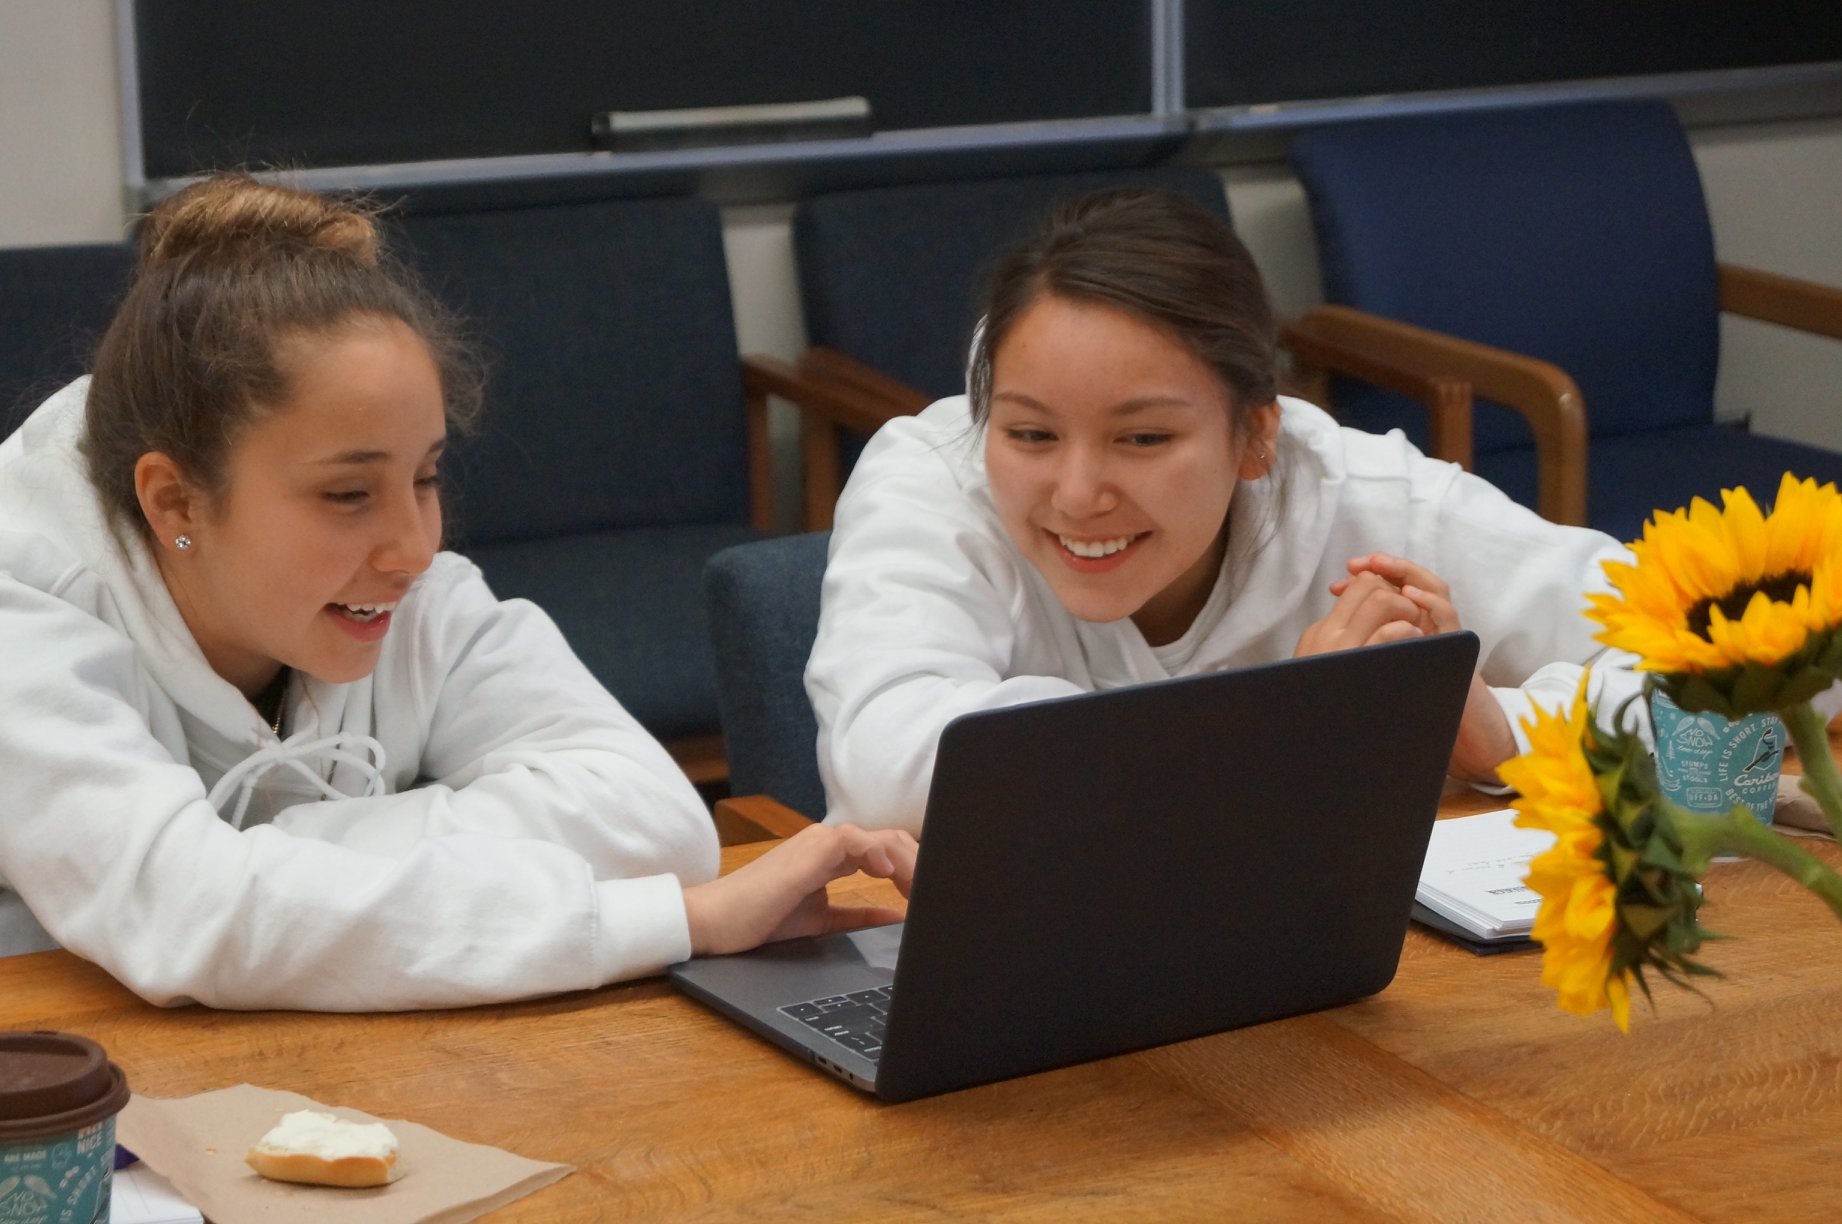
[
  {"x": 368, "y": 82},
  {"x": 1245, "y": 53}
]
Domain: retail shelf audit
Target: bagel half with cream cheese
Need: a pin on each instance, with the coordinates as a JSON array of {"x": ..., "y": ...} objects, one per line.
[{"x": 318, "y": 1149}]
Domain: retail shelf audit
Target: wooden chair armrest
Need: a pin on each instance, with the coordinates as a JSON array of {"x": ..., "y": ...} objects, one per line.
[
  {"x": 827, "y": 402},
  {"x": 701, "y": 757},
  {"x": 1447, "y": 400},
  {"x": 900, "y": 398},
  {"x": 1785, "y": 300},
  {"x": 813, "y": 390},
  {"x": 753, "y": 818},
  {"x": 833, "y": 392},
  {"x": 1542, "y": 392}
]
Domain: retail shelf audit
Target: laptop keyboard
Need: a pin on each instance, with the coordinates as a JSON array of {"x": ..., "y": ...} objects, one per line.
[{"x": 853, "y": 1020}]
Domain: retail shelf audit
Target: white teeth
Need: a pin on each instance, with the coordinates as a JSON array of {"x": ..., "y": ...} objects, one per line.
[
  {"x": 1092, "y": 549},
  {"x": 366, "y": 612}
]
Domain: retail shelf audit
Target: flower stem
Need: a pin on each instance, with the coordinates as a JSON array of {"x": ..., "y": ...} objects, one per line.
[
  {"x": 1822, "y": 781},
  {"x": 1738, "y": 831}
]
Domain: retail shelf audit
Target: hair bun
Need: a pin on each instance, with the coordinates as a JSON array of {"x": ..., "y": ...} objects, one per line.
[{"x": 228, "y": 212}]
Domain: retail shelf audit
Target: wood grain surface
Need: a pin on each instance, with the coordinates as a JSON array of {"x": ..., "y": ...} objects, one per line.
[{"x": 1460, "y": 1093}]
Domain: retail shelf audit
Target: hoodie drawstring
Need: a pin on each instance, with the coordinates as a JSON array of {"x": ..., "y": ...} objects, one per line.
[{"x": 337, "y": 748}]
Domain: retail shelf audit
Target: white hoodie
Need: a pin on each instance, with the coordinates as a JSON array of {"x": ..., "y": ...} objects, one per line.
[
  {"x": 477, "y": 820},
  {"x": 929, "y": 612}
]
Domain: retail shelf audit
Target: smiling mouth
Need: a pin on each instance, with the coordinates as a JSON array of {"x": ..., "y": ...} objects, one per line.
[
  {"x": 364, "y": 614},
  {"x": 1094, "y": 550}
]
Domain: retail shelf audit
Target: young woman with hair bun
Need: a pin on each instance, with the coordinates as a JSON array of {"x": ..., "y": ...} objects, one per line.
[
  {"x": 265, "y": 744},
  {"x": 1124, "y": 496}
]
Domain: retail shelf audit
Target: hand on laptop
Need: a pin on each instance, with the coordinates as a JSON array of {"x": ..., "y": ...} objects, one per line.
[
  {"x": 1387, "y": 599},
  {"x": 782, "y": 894}
]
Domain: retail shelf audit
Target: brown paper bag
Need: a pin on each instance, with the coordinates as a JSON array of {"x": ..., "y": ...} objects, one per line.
[
  {"x": 198, "y": 1143},
  {"x": 1797, "y": 813}
]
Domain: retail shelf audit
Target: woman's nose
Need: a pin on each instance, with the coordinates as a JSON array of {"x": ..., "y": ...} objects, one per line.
[
  {"x": 410, "y": 540},
  {"x": 1083, "y": 485}
]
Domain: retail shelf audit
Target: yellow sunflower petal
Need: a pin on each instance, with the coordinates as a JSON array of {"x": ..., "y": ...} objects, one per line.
[
  {"x": 1743, "y": 528},
  {"x": 1672, "y": 605},
  {"x": 1578, "y": 914},
  {"x": 1618, "y": 994}
]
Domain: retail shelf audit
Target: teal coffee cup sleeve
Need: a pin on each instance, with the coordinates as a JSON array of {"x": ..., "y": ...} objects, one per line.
[{"x": 1706, "y": 763}]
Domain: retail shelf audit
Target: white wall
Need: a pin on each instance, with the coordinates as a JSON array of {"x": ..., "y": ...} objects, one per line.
[
  {"x": 1775, "y": 193},
  {"x": 60, "y": 127},
  {"x": 758, "y": 244}
]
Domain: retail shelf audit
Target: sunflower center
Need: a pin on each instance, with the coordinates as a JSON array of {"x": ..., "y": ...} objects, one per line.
[{"x": 1780, "y": 588}]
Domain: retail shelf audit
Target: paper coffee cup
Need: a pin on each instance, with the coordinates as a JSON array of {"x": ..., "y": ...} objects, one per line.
[
  {"x": 1707, "y": 763},
  {"x": 59, "y": 1095}
]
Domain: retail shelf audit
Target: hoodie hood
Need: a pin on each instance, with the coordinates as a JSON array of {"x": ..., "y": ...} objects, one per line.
[{"x": 47, "y": 505}]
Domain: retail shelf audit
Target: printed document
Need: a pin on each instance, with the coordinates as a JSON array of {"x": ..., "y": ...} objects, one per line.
[{"x": 1474, "y": 871}]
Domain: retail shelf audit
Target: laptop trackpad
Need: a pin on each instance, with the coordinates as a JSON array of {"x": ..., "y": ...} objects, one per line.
[
  {"x": 791, "y": 971},
  {"x": 878, "y": 945},
  {"x": 766, "y": 988}
]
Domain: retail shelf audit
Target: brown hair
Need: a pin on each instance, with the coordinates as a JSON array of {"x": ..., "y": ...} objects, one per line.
[
  {"x": 1158, "y": 256},
  {"x": 230, "y": 269}
]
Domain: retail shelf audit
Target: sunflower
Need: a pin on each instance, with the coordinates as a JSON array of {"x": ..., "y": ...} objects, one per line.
[
  {"x": 1578, "y": 899},
  {"x": 1737, "y": 610},
  {"x": 1616, "y": 895}
]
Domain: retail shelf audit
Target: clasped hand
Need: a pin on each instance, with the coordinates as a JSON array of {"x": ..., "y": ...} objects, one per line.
[{"x": 1390, "y": 599}]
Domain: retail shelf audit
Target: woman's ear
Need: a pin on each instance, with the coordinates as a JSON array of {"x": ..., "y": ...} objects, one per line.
[
  {"x": 1260, "y": 445},
  {"x": 173, "y": 508}
]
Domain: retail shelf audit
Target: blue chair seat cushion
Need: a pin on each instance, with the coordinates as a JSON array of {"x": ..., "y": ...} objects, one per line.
[
  {"x": 1624, "y": 470},
  {"x": 631, "y": 604}
]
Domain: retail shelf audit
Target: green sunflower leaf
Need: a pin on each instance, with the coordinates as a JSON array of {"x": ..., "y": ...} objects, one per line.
[
  {"x": 1755, "y": 689},
  {"x": 1645, "y": 921}
]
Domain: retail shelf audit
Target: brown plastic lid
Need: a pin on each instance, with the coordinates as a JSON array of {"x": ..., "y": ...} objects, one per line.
[{"x": 51, "y": 1083}]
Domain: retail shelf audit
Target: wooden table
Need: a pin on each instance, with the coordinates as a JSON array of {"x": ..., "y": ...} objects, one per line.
[{"x": 1459, "y": 1093}]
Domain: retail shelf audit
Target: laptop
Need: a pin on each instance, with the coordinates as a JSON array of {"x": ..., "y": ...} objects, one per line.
[{"x": 1116, "y": 870}]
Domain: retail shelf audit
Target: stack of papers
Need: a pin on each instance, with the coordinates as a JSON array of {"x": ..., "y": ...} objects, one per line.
[{"x": 1473, "y": 875}]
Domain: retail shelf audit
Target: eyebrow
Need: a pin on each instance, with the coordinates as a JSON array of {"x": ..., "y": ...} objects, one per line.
[
  {"x": 1141, "y": 403},
  {"x": 345, "y": 458}
]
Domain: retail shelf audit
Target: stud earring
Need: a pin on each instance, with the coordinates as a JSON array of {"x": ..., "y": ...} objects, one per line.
[{"x": 182, "y": 542}]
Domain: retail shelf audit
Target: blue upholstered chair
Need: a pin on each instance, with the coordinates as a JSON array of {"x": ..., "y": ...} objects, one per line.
[
  {"x": 764, "y": 614},
  {"x": 616, "y": 454},
  {"x": 890, "y": 278},
  {"x": 1561, "y": 261},
  {"x": 55, "y": 303}
]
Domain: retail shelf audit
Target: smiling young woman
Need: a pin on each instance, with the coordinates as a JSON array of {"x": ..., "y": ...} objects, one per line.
[
  {"x": 265, "y": 745},
  {"x": 1123, "y": 496},
  {"x": 331, "y": 511},
  {"x": 1112, "y": 455}
]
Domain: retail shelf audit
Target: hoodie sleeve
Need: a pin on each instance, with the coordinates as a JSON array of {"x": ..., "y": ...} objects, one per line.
[
  {"x": 919, "y": 619},
  {"x": 1521, "y": 582},
  {"x": 111, "y": 843},
  {"x": 515, "y": 739}
]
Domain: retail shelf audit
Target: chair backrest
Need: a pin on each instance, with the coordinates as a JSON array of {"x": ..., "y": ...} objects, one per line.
[
  {"x": 1574, "y": 233},
  {"x": 614, "y": 393},
  {"x": 764, "y": 613},
  {"x": 55, "y": 303},
  {"x": 891, "y": 275}
]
